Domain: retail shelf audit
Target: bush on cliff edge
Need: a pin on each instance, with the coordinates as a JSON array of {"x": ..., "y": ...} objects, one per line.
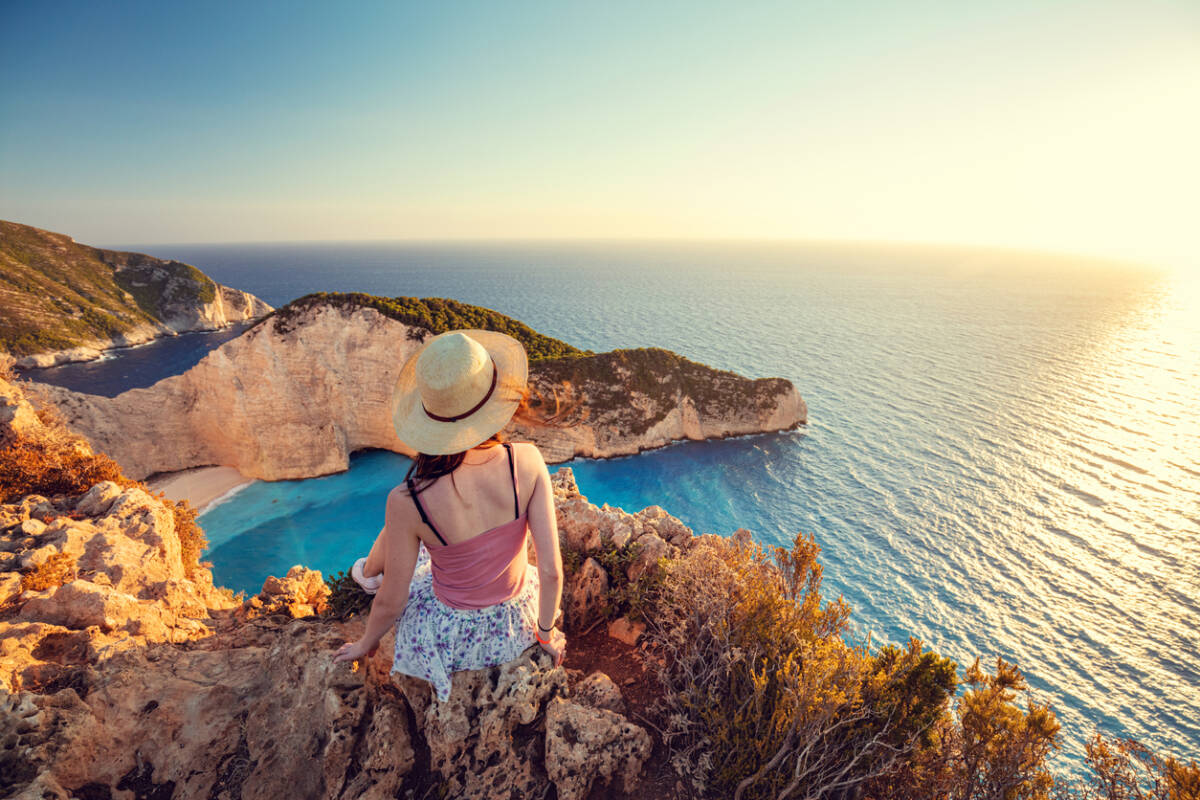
[
  {"x": 763, "y": 695},
  {"x": 51, "y": 460}
]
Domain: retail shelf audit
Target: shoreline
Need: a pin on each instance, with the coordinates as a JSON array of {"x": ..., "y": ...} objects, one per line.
[
  {"x": 106, "y": 351},
  {"x": 202, "y": 487}
]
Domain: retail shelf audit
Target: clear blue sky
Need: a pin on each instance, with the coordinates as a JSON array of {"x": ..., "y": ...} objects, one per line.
[{"x": 1060, "y": 125}]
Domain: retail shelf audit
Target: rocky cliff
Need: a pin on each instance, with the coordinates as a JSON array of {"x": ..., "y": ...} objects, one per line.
[
  {"x": 62, "y": 301},
  {"x": 125, "y": 673},
  {"x": 294, "y": 396}
]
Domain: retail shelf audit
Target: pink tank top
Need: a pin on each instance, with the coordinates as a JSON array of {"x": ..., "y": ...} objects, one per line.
[{"x": 486, "y": 569}]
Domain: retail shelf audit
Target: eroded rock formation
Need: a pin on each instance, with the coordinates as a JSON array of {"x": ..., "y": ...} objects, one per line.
[{"x": 294, "y": 396}]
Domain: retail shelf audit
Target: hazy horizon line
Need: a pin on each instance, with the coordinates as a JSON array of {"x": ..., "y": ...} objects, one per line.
[{"x": 668, "y": 240}]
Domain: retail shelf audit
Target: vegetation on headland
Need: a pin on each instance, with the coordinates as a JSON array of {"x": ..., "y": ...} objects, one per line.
[
  {"x": 609, "y": 381},
  {"x": 431, "y": 314},
  {"x": 56, "y": 293}
]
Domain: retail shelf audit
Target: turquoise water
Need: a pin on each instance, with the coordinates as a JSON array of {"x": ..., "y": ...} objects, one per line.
[{"x": 1003, "y": 455}]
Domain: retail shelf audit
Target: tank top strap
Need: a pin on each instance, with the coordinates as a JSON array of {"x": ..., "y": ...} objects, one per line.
[
  {"x": 512, "y": 468},
  {"x": 421, "y": 509}
]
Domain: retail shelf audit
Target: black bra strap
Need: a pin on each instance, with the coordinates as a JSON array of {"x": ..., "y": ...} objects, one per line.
[
  {"x": 512, "y": 468},
  {"x": 421, "y": 510}
]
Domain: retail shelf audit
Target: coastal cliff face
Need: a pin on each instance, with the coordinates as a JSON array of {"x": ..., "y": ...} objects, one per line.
[
  {"x": 61, "y": 301},
  {"x": 294, "y": 396}
]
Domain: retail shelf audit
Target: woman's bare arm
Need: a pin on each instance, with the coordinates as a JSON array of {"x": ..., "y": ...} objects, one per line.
[
  {"x": 544, "y": 528},
  {"x": 400, "y": 545}
]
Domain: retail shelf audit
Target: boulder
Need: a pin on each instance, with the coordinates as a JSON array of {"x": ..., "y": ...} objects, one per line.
[
  {"x": 598, "y": 691},
  {"x": 652, "y": 549},
  {"x": 585, "y": 744},
  {"x": 585, "y": 594},
  {"x": 301, "y": 593},
  {"x": 482, "y": 740}
]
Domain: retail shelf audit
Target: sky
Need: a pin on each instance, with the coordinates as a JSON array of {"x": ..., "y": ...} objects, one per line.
[{"x": 1066, "y": 126}]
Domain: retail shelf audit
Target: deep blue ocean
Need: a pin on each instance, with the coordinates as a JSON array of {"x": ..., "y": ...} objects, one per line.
[{"x": 1002, "y": 456}]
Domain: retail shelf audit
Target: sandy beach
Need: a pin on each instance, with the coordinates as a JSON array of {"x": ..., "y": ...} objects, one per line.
[{"x": 201, "y": 486}]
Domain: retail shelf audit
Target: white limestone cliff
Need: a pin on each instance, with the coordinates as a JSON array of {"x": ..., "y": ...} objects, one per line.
[{"x": 295, "y": 400}]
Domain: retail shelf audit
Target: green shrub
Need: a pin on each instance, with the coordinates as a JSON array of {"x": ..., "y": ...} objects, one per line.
[
  {"x": 191, "y": 536},
  {"x": 346, "y": 597},
  {"x": 762, "y": 695},
  {"x": 628, "y": 598},
  {"x": 433, "y": 314}
]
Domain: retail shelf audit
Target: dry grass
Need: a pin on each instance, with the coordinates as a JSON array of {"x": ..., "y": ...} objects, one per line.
[
  {"x": 52, "y": 460},
  {"x": 54, "y": 571}
]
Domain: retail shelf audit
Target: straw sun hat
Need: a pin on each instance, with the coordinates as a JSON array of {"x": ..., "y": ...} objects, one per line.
[{"x": 458, "y": 389}]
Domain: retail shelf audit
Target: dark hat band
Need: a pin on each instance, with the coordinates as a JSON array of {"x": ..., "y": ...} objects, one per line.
[{"x": 487, "y": 396}]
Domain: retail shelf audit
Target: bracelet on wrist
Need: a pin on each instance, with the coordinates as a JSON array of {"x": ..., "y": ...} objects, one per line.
[{"x": 545, "y": 630}]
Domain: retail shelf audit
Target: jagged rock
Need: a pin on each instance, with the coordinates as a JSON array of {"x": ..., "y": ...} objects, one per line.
[
  {"x": 564, "y": 485},
  {"x": 584, "y": 594},
  {"x": 673, "y": 531},
  {"x": 301, "y": 593},
  {"x": 652, "y": 549},
  {"x": 269, "y": 717},
  {"x": 742, "y": 538},
  {"x": 98, "y": 499},
  {"x": 10, "y": 584},
  {"x": 37, "y": 507},
  {"x": 624, "y": 630},
  {"x": 482, "y": 742},
  {"x": 586, "y": 529},
  {"x": 598, "y": 691},
  {"x": 128, "y": 586},
  {"x": 622, "y": 534},
  {"x": 17, "y": 417},
  {"x": 584, "y": 744}
]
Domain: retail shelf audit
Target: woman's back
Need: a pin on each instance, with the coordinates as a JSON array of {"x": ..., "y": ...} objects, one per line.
[
  {"x": 478, "y": 569},
  {"x": 477, "y": 497}
]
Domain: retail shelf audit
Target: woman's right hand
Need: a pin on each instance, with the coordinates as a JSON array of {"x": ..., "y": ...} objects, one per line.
[{"x": 555, "y": 644}]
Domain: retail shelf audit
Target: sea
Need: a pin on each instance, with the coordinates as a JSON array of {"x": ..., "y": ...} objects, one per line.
[{"x": 1002, "y": 456}]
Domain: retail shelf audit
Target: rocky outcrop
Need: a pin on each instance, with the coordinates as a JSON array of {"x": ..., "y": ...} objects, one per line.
[
  {"x": 259, "y": 713},
  {"x": 294, "y": 396},
  {"x": 17, "y": 416},
  {"x": 85, "y": 579},
  {"x": 130, "y": 678},
  {"x": 61, "y": 301}
]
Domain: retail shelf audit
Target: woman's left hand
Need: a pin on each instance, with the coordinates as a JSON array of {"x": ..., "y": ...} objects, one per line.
[{"x": 353, "y": 651}]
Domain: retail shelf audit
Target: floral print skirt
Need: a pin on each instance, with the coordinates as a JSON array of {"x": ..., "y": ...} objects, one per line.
[{"x": 434, "y": 640}]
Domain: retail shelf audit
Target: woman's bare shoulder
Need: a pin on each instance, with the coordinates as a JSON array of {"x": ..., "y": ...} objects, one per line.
[
  {"x": 400, "y": 504},
  {"x": 528, "y": 450},
  {"x": 531, "y": 467}
]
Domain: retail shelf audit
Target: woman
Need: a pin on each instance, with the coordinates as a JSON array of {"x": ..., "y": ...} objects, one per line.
[{"x": 450, "y": 565}]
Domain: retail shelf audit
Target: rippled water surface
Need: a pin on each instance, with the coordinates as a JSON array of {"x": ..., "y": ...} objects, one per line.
[{"x": 1002, "y": 457}]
